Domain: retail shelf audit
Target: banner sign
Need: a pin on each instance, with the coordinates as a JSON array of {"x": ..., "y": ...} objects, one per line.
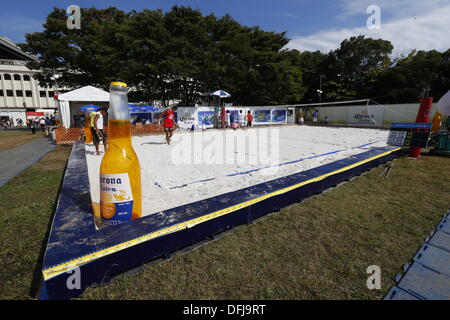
[
  {"x": 262, "y": 116},
  {"x": 279, "y": 115},
  {"x": 35, "y": 114},
  {"x": 409, "y": 134},
  {"x": 365, "y": 115},
  {"x": 206, "y": 118}
]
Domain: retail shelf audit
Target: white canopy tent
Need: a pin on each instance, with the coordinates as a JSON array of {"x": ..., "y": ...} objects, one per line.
[{"x": 86, "y": 94}]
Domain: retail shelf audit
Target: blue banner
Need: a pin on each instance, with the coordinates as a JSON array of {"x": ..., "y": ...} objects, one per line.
[
  {"x": 262, "y": 116},
  {"x": 278, "y": 115},
  {"x": 411, "y": 126},
  {"x": 206, "y": 117}
]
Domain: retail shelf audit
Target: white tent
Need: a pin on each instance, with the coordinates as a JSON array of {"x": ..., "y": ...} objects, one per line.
[{"x": 86, "y": 94}]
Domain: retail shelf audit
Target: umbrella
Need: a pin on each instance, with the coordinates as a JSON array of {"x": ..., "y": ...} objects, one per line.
[
  {"x": 220, "y": 94},
  {"x": 148, "y": 108},
  {"x": 89, "y": 108}
]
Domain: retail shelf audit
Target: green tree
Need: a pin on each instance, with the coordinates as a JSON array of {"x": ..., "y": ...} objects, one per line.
[
  {"x": 88, "y": 56},
  {"x": 312, "y": 67},
  {"x": 180, "y": 54},
  {"x": 353, "y": 67},
  {"x": 406, "y": 79}
]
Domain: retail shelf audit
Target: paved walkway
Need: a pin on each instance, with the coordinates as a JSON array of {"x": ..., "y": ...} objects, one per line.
[{"x": 14, "y": 161}]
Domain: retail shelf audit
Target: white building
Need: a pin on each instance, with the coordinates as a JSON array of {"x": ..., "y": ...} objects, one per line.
[{"x": 21, "y": 96}]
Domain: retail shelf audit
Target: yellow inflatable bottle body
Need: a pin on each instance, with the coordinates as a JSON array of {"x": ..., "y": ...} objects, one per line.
[
  {"x": 437, "y": 121},
  {"x": 120, "y": 173}
]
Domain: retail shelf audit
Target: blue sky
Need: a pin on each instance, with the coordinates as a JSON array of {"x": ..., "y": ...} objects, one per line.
[{"x": 311, "y": 24}]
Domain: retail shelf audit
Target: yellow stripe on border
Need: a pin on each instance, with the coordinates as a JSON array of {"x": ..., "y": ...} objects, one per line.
[{"x": 64, "y": 267}]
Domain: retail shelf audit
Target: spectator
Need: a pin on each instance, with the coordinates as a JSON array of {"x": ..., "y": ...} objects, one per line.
[
  {"x": 301, "y": 119},
  {"x": 232, "y": 121},
  {"x": 97, "y": 129},
  {"x": 32, "y": 126},
  {"x": 241, "y": 119},
  {"x": 42, "y": 124},
  {"x": 316, "y": 117},
  {"x": 249, "y": 119}
]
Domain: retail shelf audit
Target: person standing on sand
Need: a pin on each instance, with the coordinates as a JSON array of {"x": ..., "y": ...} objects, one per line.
[
  {"x": 169, "y": 123},
  {"x": 249, "y": 119},
  {"x": 232, "y": 121},
  {"x": 241, "y": 119},
  {"x": 301, "y": 120},
  {"x": 97, "y": 130},
  {"x": 315, "y": 117}
]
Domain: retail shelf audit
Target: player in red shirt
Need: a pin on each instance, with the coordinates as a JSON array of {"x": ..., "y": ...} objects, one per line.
[
  {"x": 249, "y": 119},
  {"x": 169, "y": 123}
]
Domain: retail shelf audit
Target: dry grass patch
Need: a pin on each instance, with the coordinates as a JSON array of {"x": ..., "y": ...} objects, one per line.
[{"x": 13, "y": 138}]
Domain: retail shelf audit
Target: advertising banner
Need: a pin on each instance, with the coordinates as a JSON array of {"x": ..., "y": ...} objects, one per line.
[
  {"x": 206, "y": 118},
  {"x": 262, "y": 116},
  {"x": 35, "y": 114},
  {"x": 365, "y": 115},
  {"x": 279, "y": 115}
]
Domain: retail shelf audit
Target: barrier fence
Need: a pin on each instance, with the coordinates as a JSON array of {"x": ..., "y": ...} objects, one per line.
[{"x": 68, "y": 136}]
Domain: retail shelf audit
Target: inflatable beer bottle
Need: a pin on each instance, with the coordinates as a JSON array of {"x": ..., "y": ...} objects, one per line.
[{"x": 120, "y": 176}]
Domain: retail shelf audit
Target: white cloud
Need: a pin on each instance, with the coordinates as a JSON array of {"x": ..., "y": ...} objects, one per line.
[
  {"x": 423, "y": 31},
  {"x": 394, "y": 8}
]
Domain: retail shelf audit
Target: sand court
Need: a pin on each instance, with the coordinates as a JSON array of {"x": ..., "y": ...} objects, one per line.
[{"x": 204, "y": 164}]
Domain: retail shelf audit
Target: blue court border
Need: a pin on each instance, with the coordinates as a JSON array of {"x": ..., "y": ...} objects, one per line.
[{"x": 74, "y": 243}]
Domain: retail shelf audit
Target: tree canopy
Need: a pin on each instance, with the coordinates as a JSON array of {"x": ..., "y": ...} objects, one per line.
[{"x": 182, "y": 54}]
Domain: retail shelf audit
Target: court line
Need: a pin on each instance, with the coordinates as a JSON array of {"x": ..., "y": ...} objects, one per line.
[{"x": 273, "y": 166}]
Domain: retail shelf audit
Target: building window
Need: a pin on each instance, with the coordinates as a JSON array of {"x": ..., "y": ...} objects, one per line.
[
  {"x": 26, "y": 78},
  {"x": 51, "y": 94},
  {"x": 42, "y": 94},
  {"x": 28, "y": 93},
  {"x": 19, "y": 93},
  {"x": 1, "y": 93},
  {"x": 9, "y": 93},
  {"x": 7, "y": 76},
  {"x": 17, "y": 77}
]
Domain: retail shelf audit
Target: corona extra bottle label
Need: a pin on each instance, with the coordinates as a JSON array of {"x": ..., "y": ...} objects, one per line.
[{"x": 116, "y": 198}]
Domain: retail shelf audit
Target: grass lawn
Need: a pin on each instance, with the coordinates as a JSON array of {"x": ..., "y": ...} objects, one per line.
[
  {"x": 319, "y": 249},
  {"x": 12, "y": 138},
  {"x": 27, "y": 203}
]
